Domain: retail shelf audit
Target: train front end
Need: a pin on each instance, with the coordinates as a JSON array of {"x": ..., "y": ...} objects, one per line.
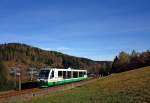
[{"x": 43, "y": 78}]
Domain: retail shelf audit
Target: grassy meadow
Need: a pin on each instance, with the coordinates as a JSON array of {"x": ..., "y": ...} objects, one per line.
[{"x": 127, "y": 87}]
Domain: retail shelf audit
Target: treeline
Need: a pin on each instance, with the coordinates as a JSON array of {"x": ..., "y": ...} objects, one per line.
[
  {"x": 124, "y": 61},
  {"x": 102, "y": 69},
  {"x": 37, "y": 57}
]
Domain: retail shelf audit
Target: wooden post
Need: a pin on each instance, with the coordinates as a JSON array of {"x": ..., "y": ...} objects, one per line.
[
  {"x": 16, "y": 73},
  {"x": 19, "y": 80},
  {"x": 15, "y": 84}
]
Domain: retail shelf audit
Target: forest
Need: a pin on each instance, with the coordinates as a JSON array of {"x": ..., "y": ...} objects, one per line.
[{"x": 125, "y": 61}]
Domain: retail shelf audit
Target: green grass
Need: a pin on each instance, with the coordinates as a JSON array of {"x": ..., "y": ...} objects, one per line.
[{"x": 127, "y": 87}]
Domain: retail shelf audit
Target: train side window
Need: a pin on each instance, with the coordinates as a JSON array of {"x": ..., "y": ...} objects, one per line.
[
  {"x": 80, "y": 74},
  {"x": 75, "y": 74},
  {"x": 69, "y": 74},
  {"x": 64, "y": 74},
  {"x": 52, "y": 75},
  {"x": 59, "y": 73}
]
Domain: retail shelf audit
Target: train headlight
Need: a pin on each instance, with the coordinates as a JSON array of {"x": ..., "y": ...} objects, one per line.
[
  {"x": 43, "y": 82},
  {"x": 38, "y": 80}
]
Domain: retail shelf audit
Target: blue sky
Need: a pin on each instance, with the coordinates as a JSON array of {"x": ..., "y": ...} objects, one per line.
[{"x": 95, "y": 29}]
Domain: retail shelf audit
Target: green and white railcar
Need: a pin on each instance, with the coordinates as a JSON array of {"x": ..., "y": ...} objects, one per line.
[{"x": 54, "y": 76}]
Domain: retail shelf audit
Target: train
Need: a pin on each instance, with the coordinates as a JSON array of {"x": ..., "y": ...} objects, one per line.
[{"x": 54, "y": 76}]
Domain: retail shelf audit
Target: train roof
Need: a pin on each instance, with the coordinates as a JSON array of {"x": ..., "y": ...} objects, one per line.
[{"x": 61, "y": 69}]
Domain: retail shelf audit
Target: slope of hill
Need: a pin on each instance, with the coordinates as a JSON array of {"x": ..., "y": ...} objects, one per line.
[
  {"x": 127, "y": 87},
  {"x": 24, "y": 57}
]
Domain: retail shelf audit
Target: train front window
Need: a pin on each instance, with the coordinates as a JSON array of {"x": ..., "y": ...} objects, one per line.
[{"x": 44, "y": 74}]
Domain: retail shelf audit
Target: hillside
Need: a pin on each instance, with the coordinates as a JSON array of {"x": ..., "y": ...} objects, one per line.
[
  {"x": 24, "y": 57},
  {"x": 127, "y": 87}
]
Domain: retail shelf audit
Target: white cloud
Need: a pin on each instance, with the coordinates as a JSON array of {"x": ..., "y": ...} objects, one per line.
[
  {"x": 47, "y": 49},
  {"x": 59, "y": 49},
  {"x": 63, "y": 49}
]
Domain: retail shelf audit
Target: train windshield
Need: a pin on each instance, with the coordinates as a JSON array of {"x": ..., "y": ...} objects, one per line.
[{"x": 44, "y": 74}]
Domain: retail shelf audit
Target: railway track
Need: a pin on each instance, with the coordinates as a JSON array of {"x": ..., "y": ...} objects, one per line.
[
  {"x": 14, "y": 93},
  {"x": 35, "y": 92}
]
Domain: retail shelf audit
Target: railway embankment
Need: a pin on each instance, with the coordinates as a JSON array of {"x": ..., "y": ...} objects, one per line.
[{"x": 29, "y": 94}]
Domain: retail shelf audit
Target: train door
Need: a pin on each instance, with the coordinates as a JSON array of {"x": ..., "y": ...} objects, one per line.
[{"x": 51, "y": 74}]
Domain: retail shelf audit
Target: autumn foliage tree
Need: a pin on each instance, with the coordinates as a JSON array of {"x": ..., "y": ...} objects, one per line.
[
  {"x": 121, "y": 61},
  {"x": 125, "y": 61}
]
